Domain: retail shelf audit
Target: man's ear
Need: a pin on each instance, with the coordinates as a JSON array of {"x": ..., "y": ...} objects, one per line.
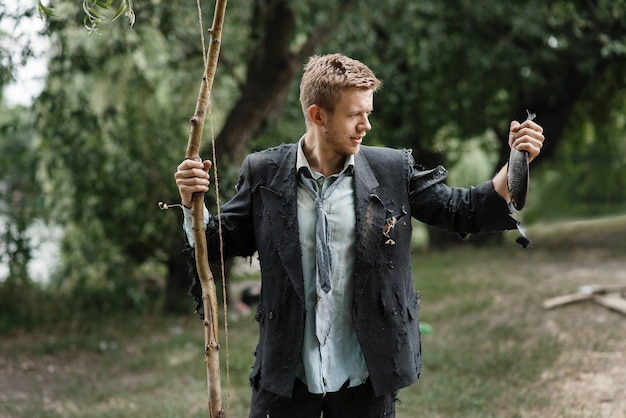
[{"x": 317, "y": 115}]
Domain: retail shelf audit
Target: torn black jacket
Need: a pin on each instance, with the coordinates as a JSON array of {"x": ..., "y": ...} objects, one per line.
[{"x": 389, "y": 189}]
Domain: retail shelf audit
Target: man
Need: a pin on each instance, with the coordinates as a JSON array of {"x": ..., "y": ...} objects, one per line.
[{"x": 330, "y": 221}]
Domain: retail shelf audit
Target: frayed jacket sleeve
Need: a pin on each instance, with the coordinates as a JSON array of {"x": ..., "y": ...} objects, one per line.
[{"x": 473, "y": 210}]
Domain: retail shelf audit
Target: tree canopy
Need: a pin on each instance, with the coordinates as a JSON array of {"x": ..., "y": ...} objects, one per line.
[{"x": 113, "y": 117}]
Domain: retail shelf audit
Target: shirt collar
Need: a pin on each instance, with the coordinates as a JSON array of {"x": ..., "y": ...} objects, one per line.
[{"x": 302, "y": 162}]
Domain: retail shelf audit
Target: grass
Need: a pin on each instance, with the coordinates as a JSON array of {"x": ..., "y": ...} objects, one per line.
[
  {"x": 483, "y": 351},
  {"x": 487, "y": 356}
]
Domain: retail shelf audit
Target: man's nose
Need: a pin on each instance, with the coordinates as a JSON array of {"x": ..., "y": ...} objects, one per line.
[{"x": 365, "y": 124}]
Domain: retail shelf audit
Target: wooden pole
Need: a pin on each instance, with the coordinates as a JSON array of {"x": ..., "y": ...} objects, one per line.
[{"x": 207, "y": 280}]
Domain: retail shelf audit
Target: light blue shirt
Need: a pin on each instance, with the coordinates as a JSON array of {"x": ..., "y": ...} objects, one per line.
[
  {"x": 188, "y": 223},
  {"x": 328, "y": 367}
]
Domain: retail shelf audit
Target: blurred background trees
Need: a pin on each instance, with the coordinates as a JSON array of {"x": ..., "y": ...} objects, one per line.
[{"x": 96, "y": 150}]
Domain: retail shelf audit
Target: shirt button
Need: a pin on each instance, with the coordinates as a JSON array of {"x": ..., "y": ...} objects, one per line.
[
  {"x": 271, "y": 315},
  {"x": 394, "y": 311},
  {"x": 390, "y": 264}
]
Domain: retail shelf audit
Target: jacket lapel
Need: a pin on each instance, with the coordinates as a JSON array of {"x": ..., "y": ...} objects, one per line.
[
  {"x": 368, "y": 206},
  {"x": 364, "y": 180},
  {"x": 281, "y": 197}
]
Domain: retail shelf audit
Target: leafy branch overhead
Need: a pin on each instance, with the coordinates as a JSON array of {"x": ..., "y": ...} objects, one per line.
[{"x": 98, "y": 11}]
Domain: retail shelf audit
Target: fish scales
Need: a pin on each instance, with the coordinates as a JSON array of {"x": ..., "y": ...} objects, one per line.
[{"x": 518, "y": 174}]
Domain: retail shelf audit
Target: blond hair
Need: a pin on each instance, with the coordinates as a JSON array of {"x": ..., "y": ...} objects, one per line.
[{"x": 326, "y": 76}]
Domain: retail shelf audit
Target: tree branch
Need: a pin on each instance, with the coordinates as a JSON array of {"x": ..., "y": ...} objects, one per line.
[{"x": 207, "y": 280}]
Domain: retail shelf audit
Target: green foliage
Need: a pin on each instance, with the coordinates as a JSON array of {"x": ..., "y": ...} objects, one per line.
[
  {"x": 97, "y": 12},
  {"x": 114, "y": 109},
  {"x": 124, "y": 101},
  {"x": 21, "y": 212},
  {"x": 588, "y": 175},
  {"x": 20, "y": 199},
  {"x": 114, "y": 116},
  {"x": 470, "y": 161},
  {"x": 15, "y": 48},
  {"x": 470, "y": 68},
  {"x": 453, "y": 71},
  {"x": 48, "y": 11}
]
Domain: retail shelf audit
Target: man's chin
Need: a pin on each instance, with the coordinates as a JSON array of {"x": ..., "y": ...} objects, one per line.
[{"x": 354, "y": 149}]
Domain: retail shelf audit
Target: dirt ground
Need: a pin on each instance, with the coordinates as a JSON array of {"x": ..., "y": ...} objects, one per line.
[
  {"x": 589, "y": 378},
  {"x": 587, "y": 381}
]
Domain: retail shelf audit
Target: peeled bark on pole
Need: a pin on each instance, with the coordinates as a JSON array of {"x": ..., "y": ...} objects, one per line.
[{"x": 207, "y": 281}]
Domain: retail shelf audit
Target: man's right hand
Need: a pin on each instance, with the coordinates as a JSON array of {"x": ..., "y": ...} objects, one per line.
[{"x": 191, "y": 177}]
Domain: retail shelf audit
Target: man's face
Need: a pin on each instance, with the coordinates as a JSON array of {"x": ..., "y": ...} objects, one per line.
[{"x": 346, "y": 127}]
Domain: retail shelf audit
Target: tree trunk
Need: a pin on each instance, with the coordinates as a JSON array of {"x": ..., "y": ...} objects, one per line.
[{"x": 272, "y": 69}]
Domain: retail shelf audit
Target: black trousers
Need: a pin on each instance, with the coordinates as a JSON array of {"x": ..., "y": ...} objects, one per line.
[{"x": 355, "y": 402}]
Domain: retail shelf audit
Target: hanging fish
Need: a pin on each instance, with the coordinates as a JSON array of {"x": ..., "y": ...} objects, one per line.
[{"x": 518, "y": 174}]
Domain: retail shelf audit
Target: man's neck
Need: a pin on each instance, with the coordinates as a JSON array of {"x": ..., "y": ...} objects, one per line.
[{"x": 321, "y": 159}]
